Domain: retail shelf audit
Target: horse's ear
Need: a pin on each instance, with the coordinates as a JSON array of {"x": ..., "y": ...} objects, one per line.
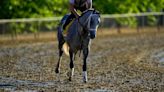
[{"x": 96, "y": 11}]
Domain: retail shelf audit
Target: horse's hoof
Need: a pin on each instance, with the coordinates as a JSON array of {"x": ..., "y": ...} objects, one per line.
[
  {"x": 57, "y": 70},
  {"x": 85, "y": 81},
  {"x": 70, "y": 79}
]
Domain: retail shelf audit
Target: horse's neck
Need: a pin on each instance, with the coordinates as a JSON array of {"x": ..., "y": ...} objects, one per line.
[
  {"x": 85, "y": 16},
  {"x": 78, "y": 25}
]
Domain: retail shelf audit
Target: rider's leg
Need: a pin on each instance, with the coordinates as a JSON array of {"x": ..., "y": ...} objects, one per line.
[{"x": 68, "y": 20}]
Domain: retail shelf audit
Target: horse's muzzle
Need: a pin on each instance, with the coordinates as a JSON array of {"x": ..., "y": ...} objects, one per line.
[{"x": 92, "y": 34}]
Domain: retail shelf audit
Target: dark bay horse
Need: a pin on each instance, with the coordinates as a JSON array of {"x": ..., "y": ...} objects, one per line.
[{"x": 80, "y": 33}]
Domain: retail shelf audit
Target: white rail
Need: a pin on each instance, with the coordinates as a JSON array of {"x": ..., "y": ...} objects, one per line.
[
  {"x": 30, "y": 20},
  {"x": 58, "y": 18},
  {"x": 131, "y": 15}
]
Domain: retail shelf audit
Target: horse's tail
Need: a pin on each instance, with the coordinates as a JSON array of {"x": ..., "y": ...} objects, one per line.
[{"x": 66, "y": 48}]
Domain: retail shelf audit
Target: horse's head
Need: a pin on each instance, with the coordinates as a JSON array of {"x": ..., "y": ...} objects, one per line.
[{"x": 90, "y": 21}]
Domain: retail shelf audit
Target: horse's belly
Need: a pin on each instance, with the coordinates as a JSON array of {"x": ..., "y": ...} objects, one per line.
[{"x": 75, "y": 48}]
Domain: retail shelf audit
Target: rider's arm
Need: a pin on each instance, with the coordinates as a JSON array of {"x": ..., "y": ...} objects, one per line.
[
  {"x": 89, "y": 4},
  {"x": 73, "y": 10}
]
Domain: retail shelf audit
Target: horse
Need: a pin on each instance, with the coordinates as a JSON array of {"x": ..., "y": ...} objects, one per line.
[{"x": 79, "y": 36}]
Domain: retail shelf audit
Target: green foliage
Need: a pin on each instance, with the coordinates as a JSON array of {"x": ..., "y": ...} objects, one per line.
[
  {"x": 128, "y": 6},
  {"x": 32, "y": 8},
  {"x": 49, "y": 8},
  {"x": 10, "y": 9}
]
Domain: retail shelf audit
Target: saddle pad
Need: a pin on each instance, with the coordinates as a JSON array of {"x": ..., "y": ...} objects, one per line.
[{"x": 65, "y": 32}]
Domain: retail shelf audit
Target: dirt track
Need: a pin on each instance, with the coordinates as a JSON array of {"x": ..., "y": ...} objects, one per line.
[{"x": 117, "y": 63}]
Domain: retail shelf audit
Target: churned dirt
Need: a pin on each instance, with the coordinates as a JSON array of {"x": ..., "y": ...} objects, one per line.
[{"x": 117, "y": 63}]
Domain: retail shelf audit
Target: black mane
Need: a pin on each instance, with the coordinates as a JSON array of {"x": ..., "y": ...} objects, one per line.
[{"x": 94, "y": 11}]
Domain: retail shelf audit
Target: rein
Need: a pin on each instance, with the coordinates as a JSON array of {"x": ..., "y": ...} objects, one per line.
[
  {"x": 81, "y": 35},
  {"x": 81, "y": 24},
  {"x": 83, "y": 28}
]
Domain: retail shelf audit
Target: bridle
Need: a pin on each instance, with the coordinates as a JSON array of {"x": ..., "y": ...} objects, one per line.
[{"x": 87, "y": 28}]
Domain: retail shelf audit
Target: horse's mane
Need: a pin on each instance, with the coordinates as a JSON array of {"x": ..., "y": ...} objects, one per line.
[{"x": 88, "y": 10}]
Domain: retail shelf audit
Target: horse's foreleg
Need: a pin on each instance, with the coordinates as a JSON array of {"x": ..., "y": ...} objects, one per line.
[
  {"x": 71, "y": 73},
  {"x": 85, "y": 53},
  {"x": 57, "y": 70}
]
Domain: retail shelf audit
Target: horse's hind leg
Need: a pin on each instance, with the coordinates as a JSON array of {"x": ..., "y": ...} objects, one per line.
[
  {"x": 71, "y": 73},
  {"x": 57, "y": 70}
]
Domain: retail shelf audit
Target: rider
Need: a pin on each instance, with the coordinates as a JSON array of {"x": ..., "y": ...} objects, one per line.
[{"x": 75, "y": 5}]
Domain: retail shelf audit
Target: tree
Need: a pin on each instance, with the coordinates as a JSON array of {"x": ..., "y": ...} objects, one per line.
[
  {"x": 32, "y": 8},
  {"x": 128, "y": 6}
]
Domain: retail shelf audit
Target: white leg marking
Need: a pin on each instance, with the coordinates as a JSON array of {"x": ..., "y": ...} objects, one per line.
[
  {"x": 72, "y": 71},
  {"x": 85, "y": 79}
]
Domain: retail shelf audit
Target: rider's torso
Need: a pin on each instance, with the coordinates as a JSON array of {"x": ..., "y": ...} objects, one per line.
[{"x": 79, "y": 3}]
